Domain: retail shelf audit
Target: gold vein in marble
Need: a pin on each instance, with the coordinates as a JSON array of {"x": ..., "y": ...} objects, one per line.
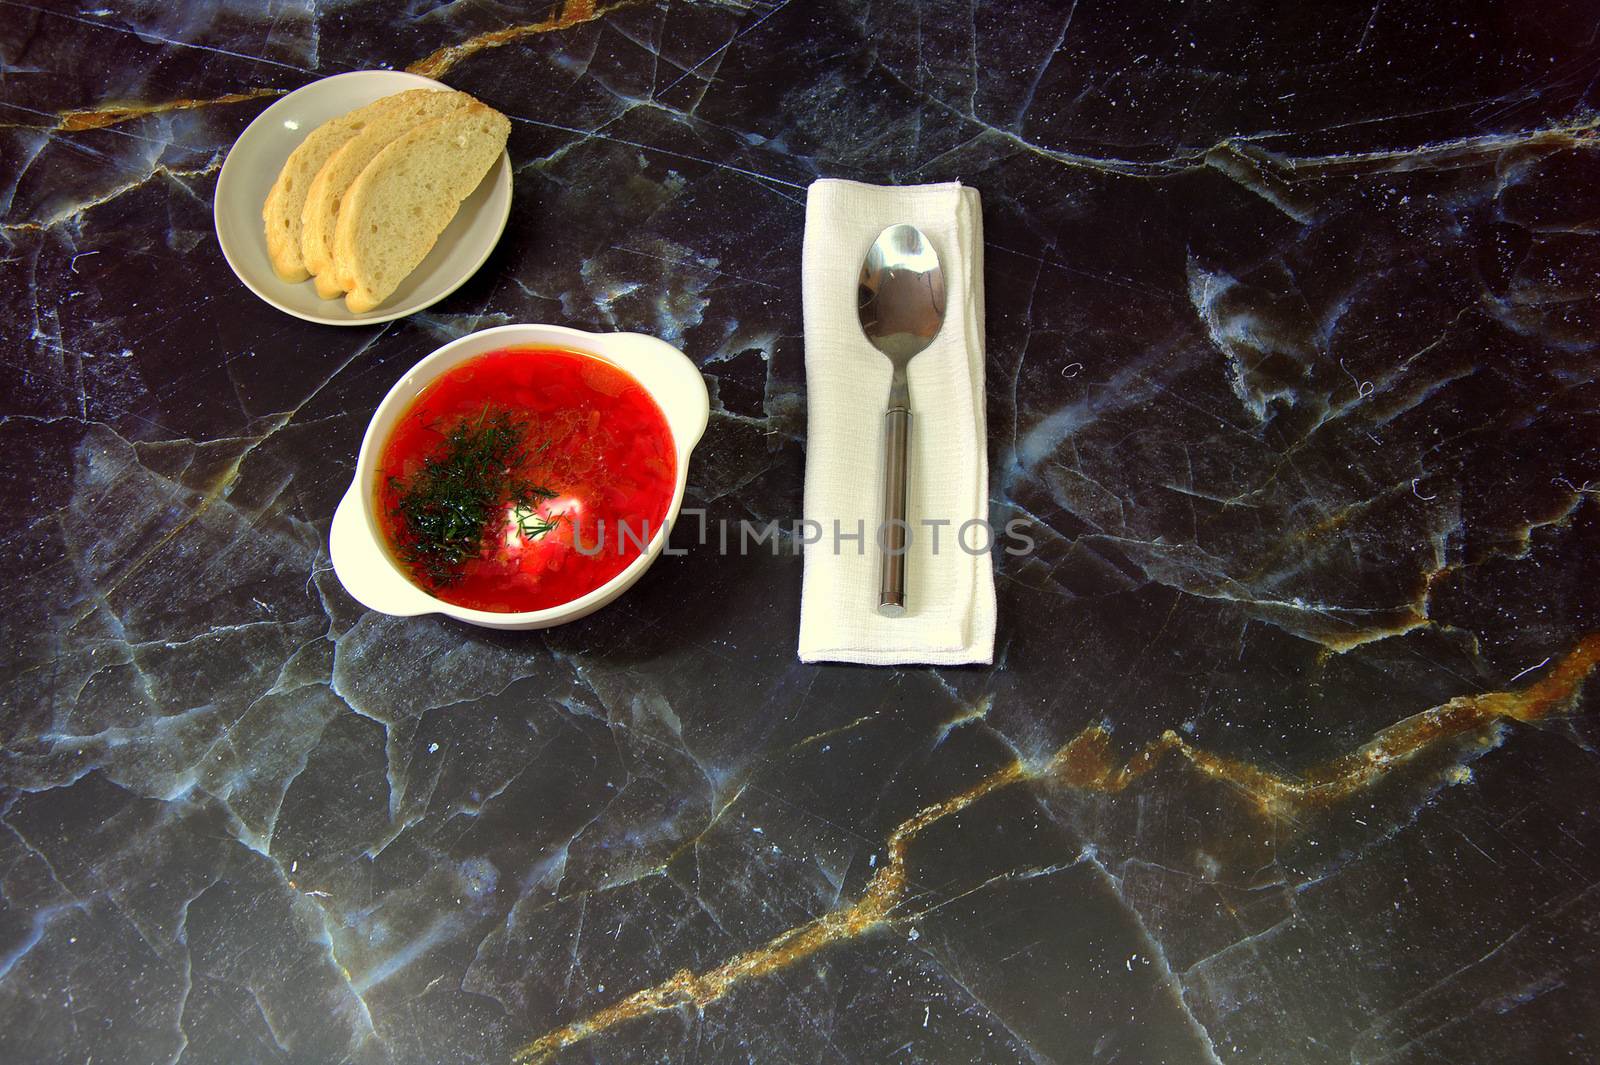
[
  {"x": 885, "y": 891},
  {"x": 570, "y": 13},
  {"x": 111, "y": 114},
  {"x": 1087, "y": 763}
]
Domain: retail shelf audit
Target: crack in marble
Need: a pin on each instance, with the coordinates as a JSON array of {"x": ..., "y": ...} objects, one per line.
[
  {"x": 111, "y": 114},
  {"x": 1583, "y": 897},
  {"x": 42, "y": 919},
  {"x": 1050, "y": 55},
  {"x": 1010, "y": 876},
  {"x": 571, "y": 13},
  {"x": 148, "y": 35},
  {"x": 1258, "y": 172},
  {"x": 660, "y": 151},
  {"x": 187, "y": 989},
  {"x": 1265, "y": 934},
  {"x": 365, "y": 1028},
  {"x": 217, "y": 490},
  {"x": 989, "y": 1010},
  {"x": 1346, "y": 635},
  {"x": 718, "y": 53},
  {"x": 692, "y": 843},
  {"x": 1451, "y": 154},
  {"x": 1168, "y": 976},
  {"x": 1087, "y": 763},
  {"x": 266, "y": 1018},
  {"x": 978, "y": 711},
  {"x": 1462, "y": 151},
  {"x": 67, "y": 214}
]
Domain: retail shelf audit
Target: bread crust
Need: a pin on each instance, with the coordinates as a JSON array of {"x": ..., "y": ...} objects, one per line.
[
  {"x": 405, "y": 111},
  {"x": 282, "y": 209},
  {"x": 393, "y": 213}
]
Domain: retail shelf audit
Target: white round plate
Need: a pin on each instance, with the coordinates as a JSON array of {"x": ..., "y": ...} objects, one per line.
[{"x": 259, "y": 154}]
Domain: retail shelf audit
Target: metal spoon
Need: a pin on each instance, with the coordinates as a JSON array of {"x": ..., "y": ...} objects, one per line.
[{"x": 900, "y": 300}]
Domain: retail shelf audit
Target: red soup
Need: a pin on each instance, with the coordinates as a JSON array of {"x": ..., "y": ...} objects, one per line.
[{"x": 525, "y": 478}]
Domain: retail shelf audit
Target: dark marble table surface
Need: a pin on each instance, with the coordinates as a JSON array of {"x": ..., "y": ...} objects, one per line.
[{"x": 1289, "y": 753}]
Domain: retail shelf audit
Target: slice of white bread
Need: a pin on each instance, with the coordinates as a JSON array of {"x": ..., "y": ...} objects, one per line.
[
  {"x": 286, "y": 201},
  {"x": 405, "y": 110},
  {"x": 394, "y": 212}
]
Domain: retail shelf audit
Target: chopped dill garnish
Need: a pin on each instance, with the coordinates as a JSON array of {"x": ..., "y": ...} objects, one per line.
[{"x": 443, "y": 512}]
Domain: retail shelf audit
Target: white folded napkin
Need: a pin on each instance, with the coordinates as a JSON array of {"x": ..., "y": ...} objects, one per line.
[{"x": 950, "y": 608}]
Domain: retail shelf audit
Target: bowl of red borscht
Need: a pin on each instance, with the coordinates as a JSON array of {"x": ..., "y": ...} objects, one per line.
[{"x": 520, "y": 477}]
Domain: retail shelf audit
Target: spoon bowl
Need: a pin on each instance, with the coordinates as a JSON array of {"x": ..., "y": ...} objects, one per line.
[{"x": 900, "y": 300}]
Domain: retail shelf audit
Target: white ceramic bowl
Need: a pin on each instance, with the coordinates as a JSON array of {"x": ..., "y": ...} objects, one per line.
[
  {"x": 365, "y": 567},
  {"x": 259, "y": 154}
]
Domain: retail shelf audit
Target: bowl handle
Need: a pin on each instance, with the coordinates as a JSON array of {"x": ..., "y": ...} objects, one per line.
[
  {"x": 359, "y": 564},
  {"x": 664, "y": 367}
]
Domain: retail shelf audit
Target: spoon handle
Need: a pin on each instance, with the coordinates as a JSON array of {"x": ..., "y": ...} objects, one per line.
[{"x": 893, "y": 533}]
